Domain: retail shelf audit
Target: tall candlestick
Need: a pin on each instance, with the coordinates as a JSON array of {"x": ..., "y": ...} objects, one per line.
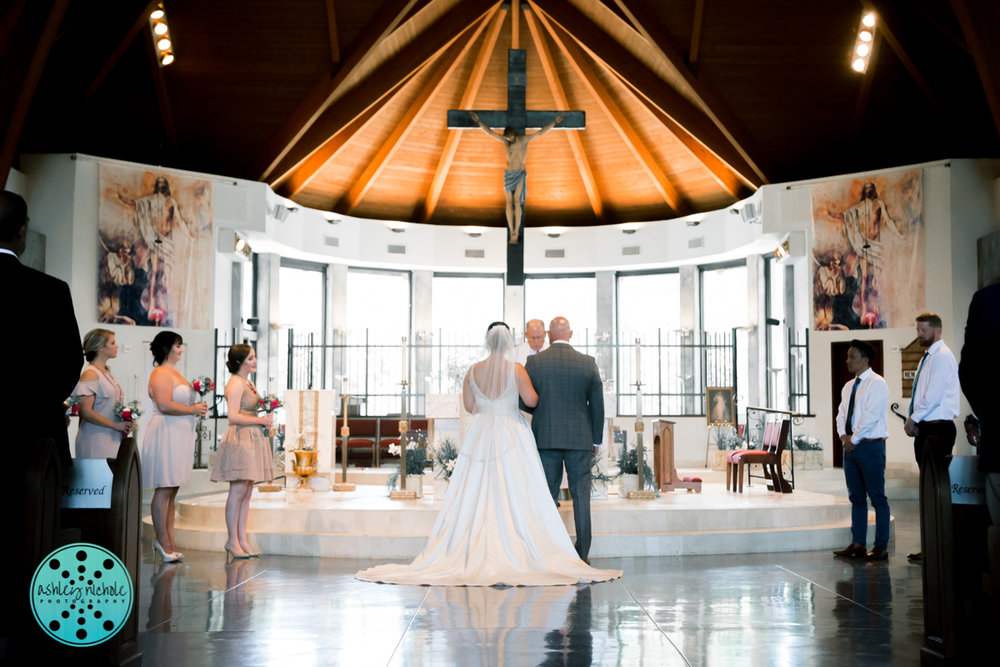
[
  {"x": 638, "y": 365},
  {"x": 343, "y": 386},
  {"x": 403, "y": 350}
]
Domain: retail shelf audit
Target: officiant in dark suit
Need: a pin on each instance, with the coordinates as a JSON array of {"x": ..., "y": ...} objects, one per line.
[
  {"x": 568, "y": 421},
  {"x": 41, "y": 341}
]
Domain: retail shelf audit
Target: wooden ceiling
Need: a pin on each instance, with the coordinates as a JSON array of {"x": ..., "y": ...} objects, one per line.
[{"x": 341, "y": 105}]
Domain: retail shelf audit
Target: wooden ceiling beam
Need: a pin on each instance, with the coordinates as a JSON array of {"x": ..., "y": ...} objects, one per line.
[
  {"x": 562, "y": 102},
  {"x": 978, "y": 19},
  {"x": 21, "y": 70},
  {"x": 648, "y": 83},
  {"x": 647, "y": 24},
  {"x": 616, "y": 116},
  {"x": 324, "y": 92},
  {"x": 142, "y": 21},
  {"x": 331, "y": 23},
  {"x": 468, "y": 97},
  {"x": 446, "y": 64},
  {"x": 384, "y": 79}
]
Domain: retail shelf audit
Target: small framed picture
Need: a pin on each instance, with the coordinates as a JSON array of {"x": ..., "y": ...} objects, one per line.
[{"x": 719, "y": 406}]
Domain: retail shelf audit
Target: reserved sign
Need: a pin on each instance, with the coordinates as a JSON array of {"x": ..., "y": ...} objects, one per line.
[
  {"x": 89, "y": 485},
  {"x": 968, "y": 486}
]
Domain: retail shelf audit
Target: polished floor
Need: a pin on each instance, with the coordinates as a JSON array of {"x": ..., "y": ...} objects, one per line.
[{"x": 797, "y": 608}]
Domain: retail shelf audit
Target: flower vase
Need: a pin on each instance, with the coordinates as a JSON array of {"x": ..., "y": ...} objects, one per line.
[
  {"x": 415, "y": 483},
  {"x": 628, "y": 483}
]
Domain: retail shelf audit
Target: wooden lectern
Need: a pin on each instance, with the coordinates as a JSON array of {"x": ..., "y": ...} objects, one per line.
[{"x": 663, "y": 461}]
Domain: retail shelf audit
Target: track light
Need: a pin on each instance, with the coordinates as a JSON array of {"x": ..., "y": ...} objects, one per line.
[
  {"x": 863, "y": 44},
  {"x": 161, "y": 36}
]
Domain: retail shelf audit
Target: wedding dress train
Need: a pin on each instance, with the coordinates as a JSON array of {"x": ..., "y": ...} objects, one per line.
[{"x": 498, "y": 523}]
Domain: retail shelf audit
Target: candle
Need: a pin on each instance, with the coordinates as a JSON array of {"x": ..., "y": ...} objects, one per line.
[
  {"x": 403, "y": 350},
  {"x": 638, "y": 365},
  {"x": 343, "y": 386}
]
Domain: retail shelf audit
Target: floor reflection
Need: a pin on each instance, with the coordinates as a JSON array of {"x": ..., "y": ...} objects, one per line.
[{"x": 786, "y": 608}]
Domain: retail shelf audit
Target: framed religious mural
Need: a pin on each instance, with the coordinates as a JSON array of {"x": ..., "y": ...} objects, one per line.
[
  {"x": 155, "y": 249},
  {"x": 719, "y": 406},
  {"x": 868, "y": 252}
]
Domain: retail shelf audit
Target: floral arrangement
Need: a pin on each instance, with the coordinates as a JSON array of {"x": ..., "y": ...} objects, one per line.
[
  {"x": 72, "y": 406},
  {"x": 445, "y": 455},
  {"x": 203, "y": 385},
  {"x": 628, "y": 464},
  {"x": 598, "y": 476},
  {"x": 268, "y": 403},
  {"x": 127, "y": 413},
  {"x": 416, "y": 461},
  {"x": 807, "y": 443}
]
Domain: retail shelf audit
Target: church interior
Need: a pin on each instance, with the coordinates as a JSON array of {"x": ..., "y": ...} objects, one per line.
[{"x": 730, "y": 195}]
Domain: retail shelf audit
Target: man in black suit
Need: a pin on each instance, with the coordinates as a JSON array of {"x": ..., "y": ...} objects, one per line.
[
  {"x": 979, "y": 373},
  {"x": 568, "y": 421},
  {"x": 40, "y": 339},
  {"x": 43, "y": 355}
]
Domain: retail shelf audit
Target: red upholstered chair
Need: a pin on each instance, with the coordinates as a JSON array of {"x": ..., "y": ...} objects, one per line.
[
  {"x": 769, "y": 458},
  {"x": 769, "y": 432}
]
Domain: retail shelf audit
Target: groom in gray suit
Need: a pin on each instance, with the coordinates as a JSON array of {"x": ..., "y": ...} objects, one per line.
[{"x": 568, "y": 421}]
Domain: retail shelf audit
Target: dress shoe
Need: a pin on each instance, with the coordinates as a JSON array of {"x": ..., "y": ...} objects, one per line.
[
  {"x": 915, "y": 558},
  {"x": 878, "y": 553},
  {"x": 854, "y": 550}
]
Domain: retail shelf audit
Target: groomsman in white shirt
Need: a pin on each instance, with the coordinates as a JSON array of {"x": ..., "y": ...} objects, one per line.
[
  {"x": 863, "y": 428},
  {"x": 534, "y": 341},
  {"x": 934, "y": 402}
]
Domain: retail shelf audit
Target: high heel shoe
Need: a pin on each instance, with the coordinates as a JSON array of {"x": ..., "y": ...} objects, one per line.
[
  {"x": 231, "y": 552},
  {"x": 173, "y": 557}
]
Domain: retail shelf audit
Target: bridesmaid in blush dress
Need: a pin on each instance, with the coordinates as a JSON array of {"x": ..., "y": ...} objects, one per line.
[
  {"x": 168, "y": 446},
  {"x": 244, "y": 455},
  {"x": 100, "y": 432}
]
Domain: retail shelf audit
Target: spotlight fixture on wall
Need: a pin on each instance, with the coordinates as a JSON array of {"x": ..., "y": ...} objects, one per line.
[
  {"x": 782, "y": 250},
  {"x": 397, "y": 228},
  {"x": 332, "y": 218},
  {"x": 161, "y": 36},
  {"x": 630, "y": 228},
  {"x": 864, "y": 42},
  {"x": 242, "y": 247}
]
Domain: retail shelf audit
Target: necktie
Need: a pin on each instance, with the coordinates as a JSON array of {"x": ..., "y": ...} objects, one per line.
[
  {"x": 916, "y": 379},
  {"x": 849, "y": 426}
]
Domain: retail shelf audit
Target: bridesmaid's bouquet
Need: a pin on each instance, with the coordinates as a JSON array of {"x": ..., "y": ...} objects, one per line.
[
  {"x": 202, "y": 385},
  {"x": 127, "y": 413},
  {"x": 72, "y": 406},
  {"x": 268, "y": 403}
]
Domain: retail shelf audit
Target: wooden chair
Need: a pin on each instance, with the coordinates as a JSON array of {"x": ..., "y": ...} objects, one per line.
[
  {"x": 730, "y": 460},
  {"x": 769, "y": 458}
]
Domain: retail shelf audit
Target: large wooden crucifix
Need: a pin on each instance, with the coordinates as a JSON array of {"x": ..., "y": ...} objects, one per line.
[{"x": 515, "y": 120}]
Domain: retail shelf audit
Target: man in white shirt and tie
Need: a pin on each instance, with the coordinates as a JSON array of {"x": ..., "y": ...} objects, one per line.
[
  {"x": 934, "y": 402},
  {"x": 534, "y": 341},
  {"x": 863, "y": 428}
]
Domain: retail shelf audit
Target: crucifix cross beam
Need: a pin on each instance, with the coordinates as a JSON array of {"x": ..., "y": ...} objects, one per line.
[{"x": 516, "y": 115}]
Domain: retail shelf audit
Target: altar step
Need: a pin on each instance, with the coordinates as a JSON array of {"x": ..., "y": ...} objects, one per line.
[{"x": 365, "y": 523}]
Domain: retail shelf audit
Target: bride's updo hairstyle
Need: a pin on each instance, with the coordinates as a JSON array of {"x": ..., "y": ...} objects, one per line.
[{"x": 162, "y": 342}]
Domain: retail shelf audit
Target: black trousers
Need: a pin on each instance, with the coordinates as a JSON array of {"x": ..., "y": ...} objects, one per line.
[{"x": 937, "y": 436}]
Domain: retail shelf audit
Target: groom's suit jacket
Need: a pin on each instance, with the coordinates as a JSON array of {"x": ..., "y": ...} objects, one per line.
[{"x": 570, "y": 410}]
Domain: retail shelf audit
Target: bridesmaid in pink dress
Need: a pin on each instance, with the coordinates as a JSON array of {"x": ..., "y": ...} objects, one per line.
[
  {"x": 100, "y": 432},
  {"x": 168, "y": 445},
  {"x": 244, "y": 455}
]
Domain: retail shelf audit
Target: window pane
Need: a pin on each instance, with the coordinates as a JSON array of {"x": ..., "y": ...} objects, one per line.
[
  {"x": 301, "y": 308},
  {"x": 724, "y": 298},
  {"x": 649, "y": 309},
  {"x": 378, "y": 304},
  {"x": 572, "y": 298},
  {"x": 461, "y": 309}
]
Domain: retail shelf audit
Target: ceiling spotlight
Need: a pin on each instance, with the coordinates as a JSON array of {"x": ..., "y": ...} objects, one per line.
[
  {"x": 865, "y": 36},
  {"x": 161, "y": 35},
  {"x": 858, "y": 65},
  {"x": 474, "y": 235},
  {"x": 331, "y": 218},
  {"x": 160, "y": 29},
  {"x": 397, "y": 229},
  {"x": 863, "y": 50},
  {"x": 554, "y": 235},
  {"x": 868, "y": 20},
  {"x": 163, "y": 44},
  {"x": 864, "y": 42},
  {"x": 157, "y": 13},
  {"x": 630, "y": 228},
  {"x": 167, "y": 59}
]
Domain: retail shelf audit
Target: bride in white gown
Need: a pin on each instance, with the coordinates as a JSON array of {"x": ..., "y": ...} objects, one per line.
[{"x": 497, "y": 524}]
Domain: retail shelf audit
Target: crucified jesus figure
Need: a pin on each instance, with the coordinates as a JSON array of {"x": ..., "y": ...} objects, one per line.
[{"x": 515, "y": 177}]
